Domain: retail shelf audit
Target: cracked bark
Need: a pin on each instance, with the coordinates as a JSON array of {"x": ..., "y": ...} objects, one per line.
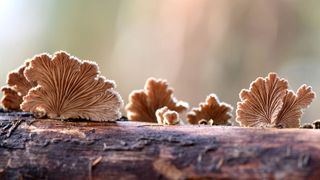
[{"x": 52, "y": 149}]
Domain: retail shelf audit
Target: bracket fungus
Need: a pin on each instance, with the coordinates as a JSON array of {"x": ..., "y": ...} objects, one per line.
[
  {"x": 18, "y": 86},
  {"x": 212, "y": 112},
  {"x": 69, "y": 88},
  {"x": 269, "y": 103},
  {"x": 166, "y": 116},
  {"x": 143, "y": 104}
]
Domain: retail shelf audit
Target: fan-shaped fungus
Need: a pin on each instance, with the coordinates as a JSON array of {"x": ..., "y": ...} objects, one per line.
[
  {"x": 18, "y": 86},
  {"x": 70, "y": 88},
  {"x": 269, "y": 103},
  {"x": 212, "y": 112},
  {"x": 143, "y": 104}
]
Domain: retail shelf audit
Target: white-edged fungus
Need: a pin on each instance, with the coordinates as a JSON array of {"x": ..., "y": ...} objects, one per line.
[{"x": 167, "y": 117}]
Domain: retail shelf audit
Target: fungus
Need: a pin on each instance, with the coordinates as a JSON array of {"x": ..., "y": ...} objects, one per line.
[
  {"x": 70, "y": 88},
  {"x": 212, "y": 112},
  {"x": 143, "y": 104},
  {"x": 206, "y": 122},
  {"x": 307, "y": 126},
  {"x": 19, "y": 82},
  {"x": 316, "y": 124},
  {"x": 269, "y": 103},
  {"x": 18, "y": 86},
  {"x": 10, "y": 100},
  {"x": 166, "y": 116}
]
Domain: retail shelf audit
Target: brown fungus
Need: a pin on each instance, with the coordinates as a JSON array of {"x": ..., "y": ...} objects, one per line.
[
  {"x": 143, "y": 104},
  {"x": 166, "y": 116},
  {"x": 316, "y": 124},
  {"x": 10, "y": 100},
  {"x": 18, "y": 86},
  {"x": 307, "y": 126},
  {"x": 70, "y": 88},
  {"x": 19, "y": 82},
  {"x": 212, "y": 112},
  {"x": 269, "y": 103}
]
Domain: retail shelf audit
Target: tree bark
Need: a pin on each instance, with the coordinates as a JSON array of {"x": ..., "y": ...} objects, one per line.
[{"x": 52, "y": 149}]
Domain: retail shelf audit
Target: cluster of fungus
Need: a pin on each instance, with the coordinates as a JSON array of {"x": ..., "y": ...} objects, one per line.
[
  {"x": 62, "y": 87},
  {"x": 269, "y": 103},
  {"x": 155, "y": 103}
]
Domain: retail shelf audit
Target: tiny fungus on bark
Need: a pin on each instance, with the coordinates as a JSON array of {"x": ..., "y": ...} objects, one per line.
[
  {"x": 316, "y": 124},
  {"x": 17, "y": 87},
  {"x": 212, "y": 112},
  {"x": 308, "y": 126},
  {"x": 156, "y": 94},
  {"x": 70, "y": 88},
  {"x": 269, "y": 103},
  {"x": 10, "y": 100},
  {"x": 167, "y": 117}
]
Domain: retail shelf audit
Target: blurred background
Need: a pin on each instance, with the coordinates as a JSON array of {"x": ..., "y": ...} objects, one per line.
[{"x": 199, "y": 46}]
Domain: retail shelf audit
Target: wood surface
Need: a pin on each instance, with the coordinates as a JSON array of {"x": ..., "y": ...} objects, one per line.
[{"x": 53, "y": 149}]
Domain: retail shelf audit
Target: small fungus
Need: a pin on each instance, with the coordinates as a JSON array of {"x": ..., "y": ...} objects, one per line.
[
  {"x": 10, "y": 100},
  {"x": 269, "y": 103},
  {"x": 316, "y": 124},
  {"x": 143, "y": 104},
  {"x": 19, "y": 82},
  {"x": 212, "y": 112},
  {"x": 70, "y": 88},
  {"x": 307, "y": 126},
  {"x": 166, "y": 116},
  {"x": 18, "y": 86}
]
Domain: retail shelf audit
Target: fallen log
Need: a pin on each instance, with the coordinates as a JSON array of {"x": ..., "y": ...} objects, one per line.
[{"x": 52, "y": 149}]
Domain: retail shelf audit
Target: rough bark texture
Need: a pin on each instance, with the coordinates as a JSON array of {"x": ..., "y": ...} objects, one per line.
[{"x": 52, "y": 149}]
